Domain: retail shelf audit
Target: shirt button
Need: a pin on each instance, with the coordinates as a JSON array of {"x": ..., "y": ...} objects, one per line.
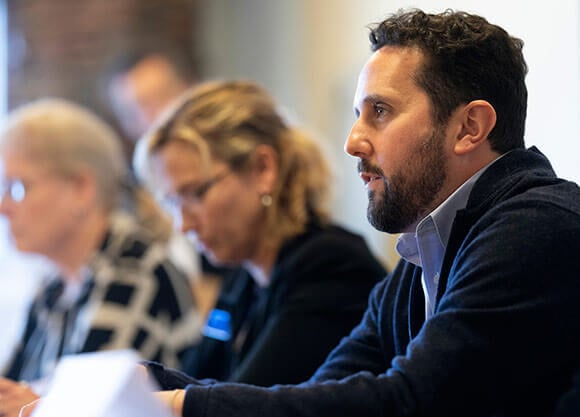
[{"x": 436, "y": 279}]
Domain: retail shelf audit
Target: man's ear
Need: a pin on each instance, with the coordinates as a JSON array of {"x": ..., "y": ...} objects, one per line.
[
  {"x": 477, "y": 119},
  {"x": 265, "y": 168}
]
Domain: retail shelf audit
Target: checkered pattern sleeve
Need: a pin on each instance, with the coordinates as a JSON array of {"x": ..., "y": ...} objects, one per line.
[{"x": 140, "y": 300}]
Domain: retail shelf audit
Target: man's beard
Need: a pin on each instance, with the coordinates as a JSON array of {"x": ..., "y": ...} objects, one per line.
[{"x": 409, "y": 195}]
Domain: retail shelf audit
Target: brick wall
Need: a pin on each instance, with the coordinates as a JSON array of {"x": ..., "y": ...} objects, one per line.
[{"x": 62, "y": 47}]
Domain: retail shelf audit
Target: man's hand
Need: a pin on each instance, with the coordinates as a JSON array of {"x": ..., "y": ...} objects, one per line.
[{"x": 173, "y": 400}]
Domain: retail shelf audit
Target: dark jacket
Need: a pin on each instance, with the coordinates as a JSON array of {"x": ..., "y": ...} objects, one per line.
[
  {"x": 569, "y": 403},
  {"x": 503, "y": 340},
  {"x": 318, "y": 292}
]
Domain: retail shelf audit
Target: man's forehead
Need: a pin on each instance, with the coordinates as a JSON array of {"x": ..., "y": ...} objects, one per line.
[{"x": 389, "y": 68}]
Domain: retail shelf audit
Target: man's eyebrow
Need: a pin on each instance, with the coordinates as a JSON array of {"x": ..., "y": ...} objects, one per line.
[
  {"x": 370, "y": 99},
  {"x": 373, "y": 98},
  {"x": 376, "y": 98}
]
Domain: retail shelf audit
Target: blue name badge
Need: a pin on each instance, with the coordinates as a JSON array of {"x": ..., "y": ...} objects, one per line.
[{"x": 218, "y": 325}]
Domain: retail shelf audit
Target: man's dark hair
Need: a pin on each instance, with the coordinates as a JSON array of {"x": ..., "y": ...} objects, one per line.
[{"x": 466, "y": 58}]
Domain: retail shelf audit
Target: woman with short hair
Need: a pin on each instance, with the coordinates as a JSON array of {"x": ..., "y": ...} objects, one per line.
[{"x": 62, "y": 173}]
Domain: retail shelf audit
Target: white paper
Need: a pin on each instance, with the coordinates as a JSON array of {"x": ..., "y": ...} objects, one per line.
[{"x": 102, "y": 384}]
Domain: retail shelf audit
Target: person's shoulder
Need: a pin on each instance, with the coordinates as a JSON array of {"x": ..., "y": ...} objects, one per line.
[
  {"x": 136, "y": 255},
  {"x": 332, "y": 269},
  {"x": 524, "y": 177},
  {"x": 334, "y": 239},
  {"x": 330, "y": 251},
  {"x": 551, "y": 201},
  {"x": 129, "y": 240}
]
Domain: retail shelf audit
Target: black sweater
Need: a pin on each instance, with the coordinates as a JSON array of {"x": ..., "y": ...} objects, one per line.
[{"x": 280, "y": 334}]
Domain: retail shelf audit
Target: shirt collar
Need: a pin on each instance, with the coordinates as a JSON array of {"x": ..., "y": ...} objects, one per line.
[{"x": 441, "y": 218}]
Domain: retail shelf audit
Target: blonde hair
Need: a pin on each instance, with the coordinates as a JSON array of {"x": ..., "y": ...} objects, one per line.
[
  {"x": 68, "y": 139},
  {"x": 227, "y": 121}
]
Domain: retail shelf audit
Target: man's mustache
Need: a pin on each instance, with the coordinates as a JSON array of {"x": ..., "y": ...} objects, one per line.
[{"x": 365, "y": 166}]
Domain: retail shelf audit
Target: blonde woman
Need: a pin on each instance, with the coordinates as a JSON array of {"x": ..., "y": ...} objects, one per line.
[
  {"x": 61, "y": 175},
  {"x": 252, "y": 190}
]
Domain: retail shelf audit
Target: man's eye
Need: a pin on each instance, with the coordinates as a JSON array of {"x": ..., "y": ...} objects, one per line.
[{"x": 380, "y": 110}]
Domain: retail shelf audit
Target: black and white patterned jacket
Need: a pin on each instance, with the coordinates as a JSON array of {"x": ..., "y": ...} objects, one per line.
[{"x": 132, "y": 296}]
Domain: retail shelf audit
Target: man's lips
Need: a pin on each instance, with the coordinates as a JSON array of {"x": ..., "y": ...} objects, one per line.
[{"x": 368, "y": 177}]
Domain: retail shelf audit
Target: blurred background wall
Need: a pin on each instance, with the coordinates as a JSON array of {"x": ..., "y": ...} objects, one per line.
[
  {"x": 307, "y": 52},
  {"x": 64, "y": 48}
]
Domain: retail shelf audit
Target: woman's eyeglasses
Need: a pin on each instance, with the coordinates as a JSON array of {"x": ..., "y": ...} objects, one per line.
[
  {"x": 14, "y": 188},
  {"x": 191, "y": 196}
]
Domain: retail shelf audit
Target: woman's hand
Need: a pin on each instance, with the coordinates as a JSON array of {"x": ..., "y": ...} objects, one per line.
[
  {"x": 13, "y": 396},
  {"x": 27, "y": 410}
]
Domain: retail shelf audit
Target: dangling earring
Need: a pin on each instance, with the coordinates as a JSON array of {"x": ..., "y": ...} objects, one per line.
[{"x": 266, "y": 200}]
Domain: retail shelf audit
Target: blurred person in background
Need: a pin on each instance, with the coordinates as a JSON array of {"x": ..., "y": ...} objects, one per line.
[
  {"x": 62, "y": 172},
  {"x": 140, "y": 85},
  {"x": 253, "y": 191}
]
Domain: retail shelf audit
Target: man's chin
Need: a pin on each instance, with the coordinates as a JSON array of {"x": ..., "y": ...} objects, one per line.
[{"x": 384, "y": 222}]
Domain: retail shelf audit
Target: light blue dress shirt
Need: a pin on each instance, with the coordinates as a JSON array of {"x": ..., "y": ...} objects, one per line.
[{"x": 426, "y": 247}]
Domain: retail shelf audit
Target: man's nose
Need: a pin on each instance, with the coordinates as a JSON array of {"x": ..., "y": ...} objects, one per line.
[{"x": 358, "y": 142}]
